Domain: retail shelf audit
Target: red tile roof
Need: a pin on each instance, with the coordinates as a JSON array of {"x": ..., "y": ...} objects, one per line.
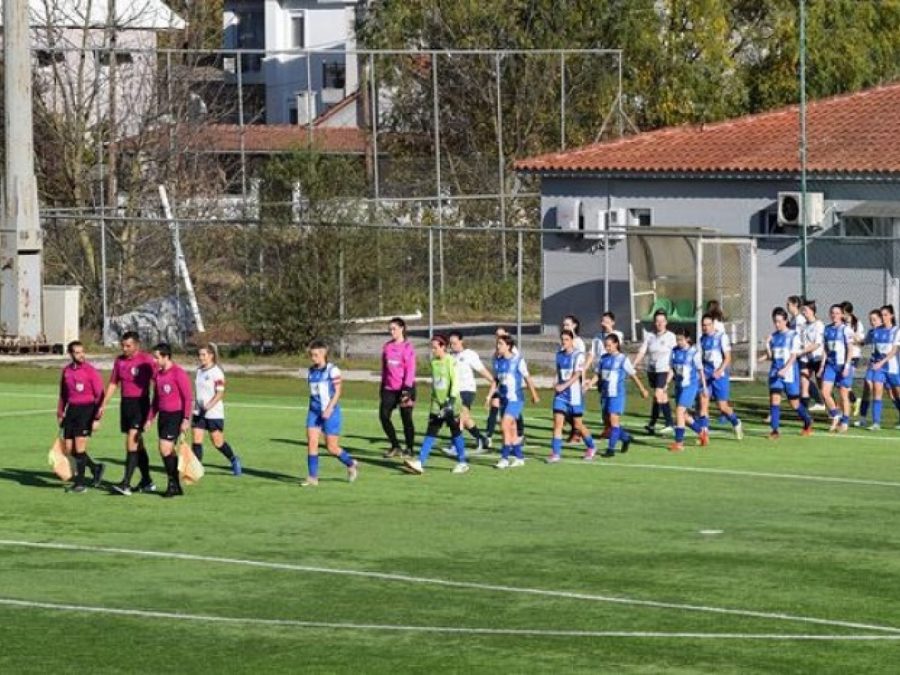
[{"x": 854, "y": 133}]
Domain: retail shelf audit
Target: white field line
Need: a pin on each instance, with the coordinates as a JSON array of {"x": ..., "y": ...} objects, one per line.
[
  {"x": 22, "y": 413},
  {"x": 446, "y": 583},
  {"x": 738, "y": 472},
  {"x": 457, "y": 630}
]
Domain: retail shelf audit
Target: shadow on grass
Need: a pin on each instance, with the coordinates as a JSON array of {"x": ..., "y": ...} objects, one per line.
[{"x": 31, "y": 478}]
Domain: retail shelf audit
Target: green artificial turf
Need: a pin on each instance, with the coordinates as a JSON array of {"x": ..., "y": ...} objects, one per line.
[{"x": 806, "y": 528}]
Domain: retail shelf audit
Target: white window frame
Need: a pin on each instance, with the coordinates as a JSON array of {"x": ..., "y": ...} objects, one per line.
[{"x": 293, "y": 15}]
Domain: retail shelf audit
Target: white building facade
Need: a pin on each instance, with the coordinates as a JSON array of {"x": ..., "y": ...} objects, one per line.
[{"x": 299, "y": 51}]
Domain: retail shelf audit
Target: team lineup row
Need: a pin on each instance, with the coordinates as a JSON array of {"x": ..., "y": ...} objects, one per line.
[{"x": 808, "y": 359}]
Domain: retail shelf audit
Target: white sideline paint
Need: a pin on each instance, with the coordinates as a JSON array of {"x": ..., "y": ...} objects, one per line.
[
  {"x": 22, "y": 413},
  {"x": 779, "y": 616},
  {"x": 738, "y": 472},
  {"x": 521, "y": 632}
]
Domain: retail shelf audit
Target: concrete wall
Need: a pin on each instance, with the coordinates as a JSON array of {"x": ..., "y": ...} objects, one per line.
[{"x": 863, "y": 272}]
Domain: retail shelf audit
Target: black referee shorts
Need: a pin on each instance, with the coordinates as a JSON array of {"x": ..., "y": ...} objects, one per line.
[
  {"x": 168, "y": 425},
  {"x": 78, "y": 421},
  {"x": 133, "y": 413}
]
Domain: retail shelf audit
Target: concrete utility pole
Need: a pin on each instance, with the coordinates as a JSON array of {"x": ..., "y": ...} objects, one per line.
[{"x": 21, "y": 239}]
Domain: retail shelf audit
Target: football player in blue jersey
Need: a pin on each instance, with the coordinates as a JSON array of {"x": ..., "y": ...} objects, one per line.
[
  {"x": 612, "y": 371},
  {"x": 782, "y": 350},
  {"x": 837, "y": 368},
  {"x": 324, "y": 416},
  {"x": 715, "y": 349},
  {"x": 568, "y": 399},
  {"x": 687, "y": 368}
]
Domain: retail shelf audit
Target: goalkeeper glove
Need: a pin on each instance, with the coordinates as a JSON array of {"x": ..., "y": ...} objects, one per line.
[{"x": 447, "y": 410}]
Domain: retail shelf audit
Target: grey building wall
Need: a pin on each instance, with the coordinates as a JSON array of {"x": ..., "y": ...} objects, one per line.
[{"x": 863, "y": 272}]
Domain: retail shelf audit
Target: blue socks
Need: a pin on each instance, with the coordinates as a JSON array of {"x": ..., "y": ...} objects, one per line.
[
  {"x": 345, "y": 458},
  {"x": 775, "y": 413},
  {"x": 614, "y": 435},
  {"x": 460, "y": 445},
  {"x": 556, "y": 446},
  {"x": 733, "y": 418},
  {"x": 876, "y": 412},
  {"x": 679, "y": 434},
  {"x": 517, "y": 451},
  {"x": 426, "y": 449},
  {"x": 804, "y": 415},
  {"x": 696, "y": 427},
  {"x": 588, "y": 442},
  {"x": 312, "y": 466},
  {"x": 505, "y": 450}
]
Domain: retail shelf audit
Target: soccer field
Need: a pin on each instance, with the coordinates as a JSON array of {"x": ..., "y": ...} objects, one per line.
[{"x": 751, "y": 556}]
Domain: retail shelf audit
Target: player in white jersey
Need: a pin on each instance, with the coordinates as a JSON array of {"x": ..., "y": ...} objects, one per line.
[
  {"x": 859, "y": 339},
  {"x": 597, "y": 347},
  {"x": 571, "y": 322},
  {"x": 468, "y": 363},
  {"x": 796, "y": 320},
  {"x": 714, "y": 309},
  {"x": 657, "y": 346},
  {"x": 812, "y": 344},
  {"x": 209, "y": 407}
]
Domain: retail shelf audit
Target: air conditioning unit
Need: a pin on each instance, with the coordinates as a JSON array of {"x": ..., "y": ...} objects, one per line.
[
  {"x": 613, "y": 222},
  {"x": 790, "y": 210},
  {"x": 568, "y": 215}
]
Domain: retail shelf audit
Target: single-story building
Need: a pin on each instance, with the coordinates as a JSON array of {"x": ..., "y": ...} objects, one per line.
[{"x": 738, "y": 180}]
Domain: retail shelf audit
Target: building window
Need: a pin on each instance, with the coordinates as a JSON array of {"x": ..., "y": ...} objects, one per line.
[
  {"x": 104, "y": 58},
  {"x": 298, "y": 30},
  {"x": 334, "y": 75},
  {"x": 251, "y": 29},
  {"x": 642, "y": 217}
]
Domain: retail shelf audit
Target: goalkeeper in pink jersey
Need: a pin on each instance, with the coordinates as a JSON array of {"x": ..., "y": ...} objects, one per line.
[{"x": 398, "y": 388}]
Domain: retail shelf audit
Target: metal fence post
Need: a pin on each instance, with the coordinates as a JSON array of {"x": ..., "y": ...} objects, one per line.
[
  {"x": 501, "y": 171},
  {"x": 562, "y": 101},
  {"x": 606, "y": 270},
  {"x": 440, "y": 215},
  {"x": 519, "y": 286}
]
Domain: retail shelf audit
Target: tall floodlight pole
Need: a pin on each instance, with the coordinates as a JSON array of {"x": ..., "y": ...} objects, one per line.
[
  {"x": 804, "y": 216},
  {"x": 20, "y": 236}
]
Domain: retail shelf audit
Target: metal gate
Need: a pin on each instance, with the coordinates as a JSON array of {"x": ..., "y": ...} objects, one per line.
[{"x": 726, "y": 272}]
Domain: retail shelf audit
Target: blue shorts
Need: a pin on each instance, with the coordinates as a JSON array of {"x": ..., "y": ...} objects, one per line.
[
  {"x": 718, "y": 390},
  {"x": 685, "y": 397},
  {"x": 777, "y": 385},
  {"x": 511, "y": 408},
  {"x": 613, "y": 405},
  {"x": 331, "y": 426},
  {"x": 562, "y": 406},
  {"x": 834, "y": 374},
  {"x": 893, "y": 379},
  {"x": 467, "y": 398},
  {"x": 876, "y": 376}
]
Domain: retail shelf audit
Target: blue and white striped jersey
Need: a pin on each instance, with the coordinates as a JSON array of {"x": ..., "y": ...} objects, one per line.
[
  {"x": 614, "y": 370},
  {"x": 510, "y": 374},
  {"x": 838, "y": 340},
  {"x": 567, "y": 364},
  {"x": 686, "y": 364},
  {"x": 322, "y": 386},
  {"x": 784, "y": 344},
  {"x": 714, "y": 348}
]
